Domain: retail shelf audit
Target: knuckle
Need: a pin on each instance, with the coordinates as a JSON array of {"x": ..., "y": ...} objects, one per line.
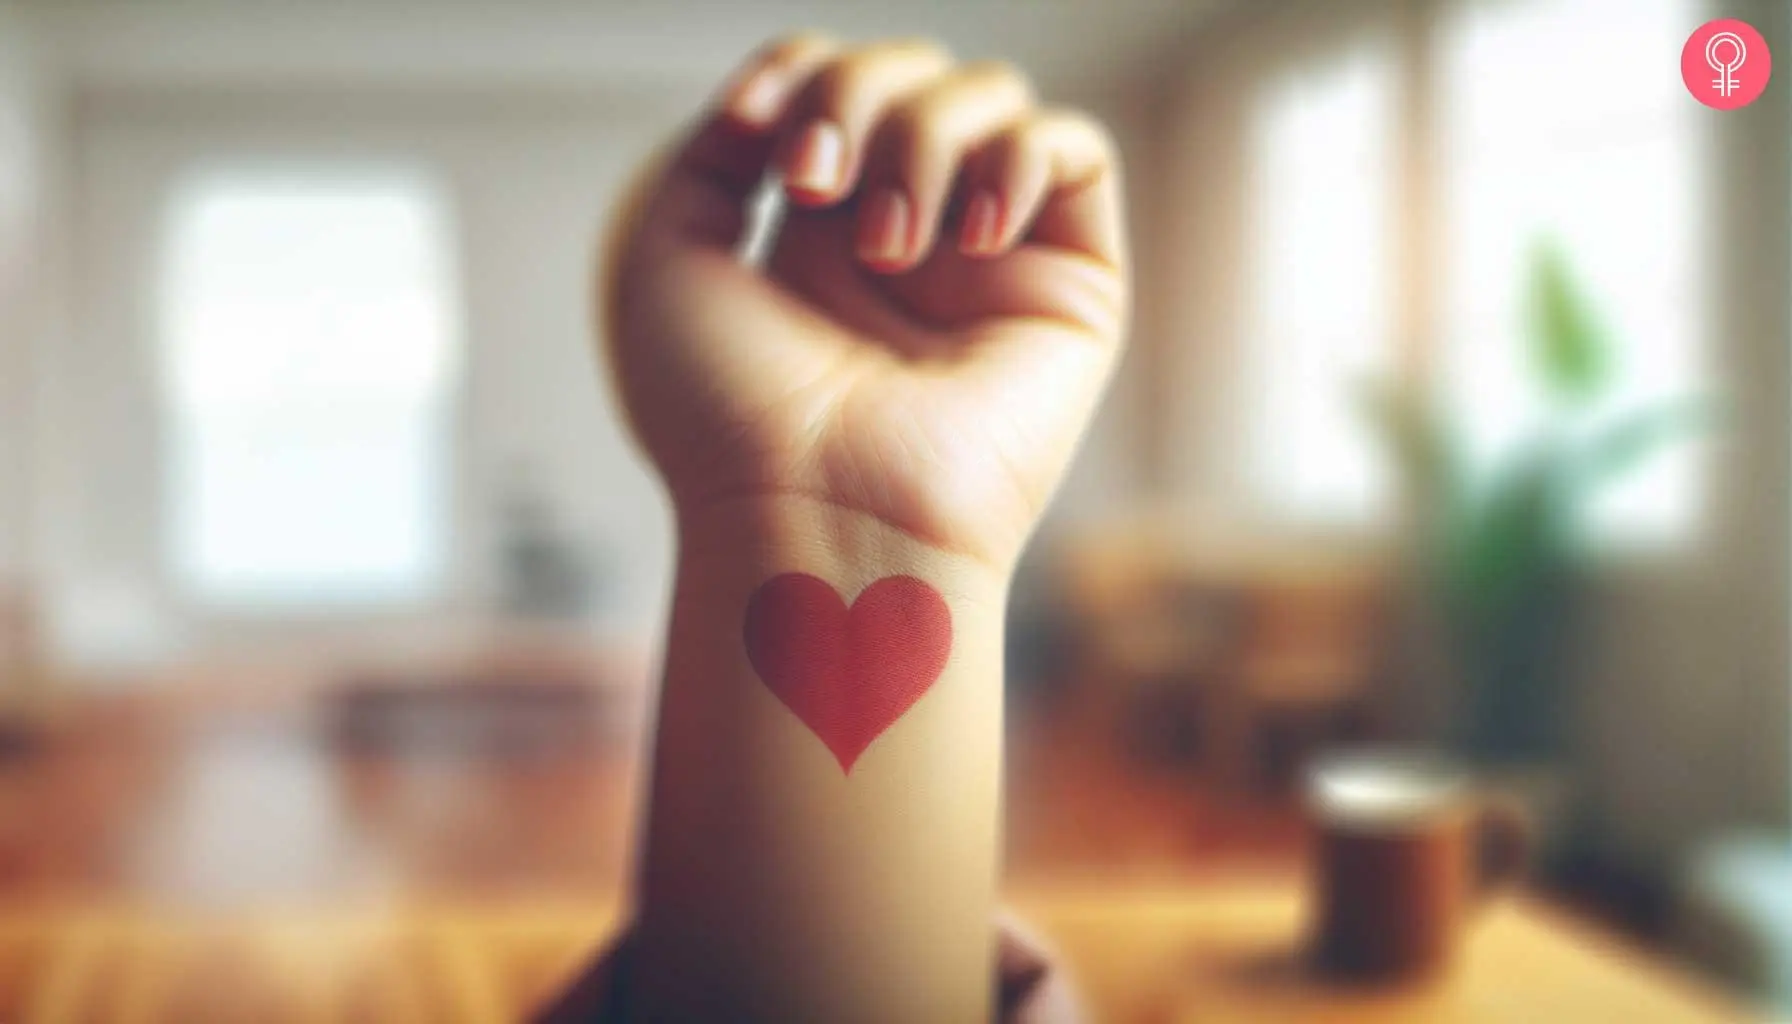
[
  {"x": 794, "y": 46},
  {"x": 1078, "y": 123},
  {"x": 919, "y": 46},
  {"x": 1103, "y": 137},
  {"x": 998, "y": 74},
  {"x": 852, "y": 79}
]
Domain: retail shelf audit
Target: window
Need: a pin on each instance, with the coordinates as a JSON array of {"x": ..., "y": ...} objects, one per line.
[
  {"x": 310, "y": 361},
  {"x": 1320, "y": 320},
  {"x": 1560, "y": 121}
]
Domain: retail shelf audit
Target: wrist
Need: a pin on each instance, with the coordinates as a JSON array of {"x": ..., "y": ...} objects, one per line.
[
  {"x": 763, "y": 535},
  {"x": 833, "y": 761}
]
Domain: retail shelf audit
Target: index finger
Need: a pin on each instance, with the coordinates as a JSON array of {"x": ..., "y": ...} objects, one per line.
[{"x": 733, "y": 145}]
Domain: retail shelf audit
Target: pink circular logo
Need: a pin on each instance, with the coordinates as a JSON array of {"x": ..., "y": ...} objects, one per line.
[{"x": 1725, "y": 64}]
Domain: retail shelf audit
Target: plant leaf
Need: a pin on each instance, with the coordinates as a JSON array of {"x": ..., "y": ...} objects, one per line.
[
  {"x": 1569, "y": 346},
  {"x": 1514, "y": 539},
  {"x": 1632, "y": 439},
  {"x": 1419, "y": 444}
]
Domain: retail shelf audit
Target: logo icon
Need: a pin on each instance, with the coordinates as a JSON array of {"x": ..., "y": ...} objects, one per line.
[
  {"x": 1725, "y": 82},
  {"x": 1725, "y": 64}
]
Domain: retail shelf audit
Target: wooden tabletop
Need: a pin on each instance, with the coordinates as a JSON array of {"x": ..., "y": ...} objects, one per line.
[
  {"x": 1227, "y": 950},
  {"x": 1220, "y": 950}
]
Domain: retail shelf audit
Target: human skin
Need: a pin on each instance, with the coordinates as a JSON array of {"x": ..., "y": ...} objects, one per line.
[{"x": 895, "y": 393}]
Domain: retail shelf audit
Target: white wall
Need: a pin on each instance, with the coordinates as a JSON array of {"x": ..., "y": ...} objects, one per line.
[
  {"x": 27, "y": 144},
  {"x": 530, "y": 176}
]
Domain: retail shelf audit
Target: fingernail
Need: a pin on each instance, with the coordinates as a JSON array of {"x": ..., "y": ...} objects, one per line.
[
  {"x": 982, "y": 224},
  {"x": 818, "y": 160},
  {"x": 883, "y": 228},
  {"x": 757, "y": 100}
]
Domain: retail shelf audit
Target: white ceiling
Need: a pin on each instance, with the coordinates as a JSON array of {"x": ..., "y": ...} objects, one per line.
[{"x": 560, "y": 43}]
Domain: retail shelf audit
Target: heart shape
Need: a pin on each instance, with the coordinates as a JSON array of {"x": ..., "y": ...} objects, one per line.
[{"x": 848, "y": 674}]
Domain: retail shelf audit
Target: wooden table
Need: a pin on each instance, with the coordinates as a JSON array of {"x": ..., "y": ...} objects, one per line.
[
  {"x": 1149, "y": 953},
  {"x": 1227, "y": 951}
]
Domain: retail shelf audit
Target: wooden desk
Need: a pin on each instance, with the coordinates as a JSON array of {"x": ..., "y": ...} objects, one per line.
[
  {"x": 1226, "y": 952},
  {"x": 1187, "y": 952}
]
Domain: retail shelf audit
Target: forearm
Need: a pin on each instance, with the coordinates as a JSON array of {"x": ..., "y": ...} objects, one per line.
[{"x": 811, "y": 860}]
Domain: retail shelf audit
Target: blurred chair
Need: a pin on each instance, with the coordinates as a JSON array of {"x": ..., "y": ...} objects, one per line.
[
  {"x": 1193, "y": 639},
  {"x": 1156, "y": 629},
  {"x": 528, "y": 695},
  {"x": 1312, "y": 642}
]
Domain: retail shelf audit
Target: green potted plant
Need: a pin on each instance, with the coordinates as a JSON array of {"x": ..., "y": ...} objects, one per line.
[{"x": 1503, "y": 555}]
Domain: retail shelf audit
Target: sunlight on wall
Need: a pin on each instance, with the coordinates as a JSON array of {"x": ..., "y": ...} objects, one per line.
[
  {"x": 310, "y": 343},
  {"x": 1321, "y": 317},
  {"x": 1567, "y": 120}
]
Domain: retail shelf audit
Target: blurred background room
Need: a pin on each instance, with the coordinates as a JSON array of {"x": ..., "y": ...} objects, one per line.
[{"x": 1457, "y": 413}]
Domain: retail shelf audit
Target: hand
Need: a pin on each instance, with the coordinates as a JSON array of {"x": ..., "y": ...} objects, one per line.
[{"x": 935, "y": 323}]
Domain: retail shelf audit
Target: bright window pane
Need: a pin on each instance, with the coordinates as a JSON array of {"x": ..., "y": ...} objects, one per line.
[
  {"x": 310, "y": 355},
  {"x": 1560, "y": 121},
  {"x": 1320, "y": 324}
]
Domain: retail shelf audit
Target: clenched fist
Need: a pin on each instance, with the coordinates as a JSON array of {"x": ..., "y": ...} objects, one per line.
[{"x": 937, "y": 317}]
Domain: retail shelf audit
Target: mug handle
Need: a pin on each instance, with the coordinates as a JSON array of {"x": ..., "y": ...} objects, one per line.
[{"x": 1503, "y": 841}]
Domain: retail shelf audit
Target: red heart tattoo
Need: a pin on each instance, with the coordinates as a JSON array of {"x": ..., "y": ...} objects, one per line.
[{"x": 848, "y": 674}]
